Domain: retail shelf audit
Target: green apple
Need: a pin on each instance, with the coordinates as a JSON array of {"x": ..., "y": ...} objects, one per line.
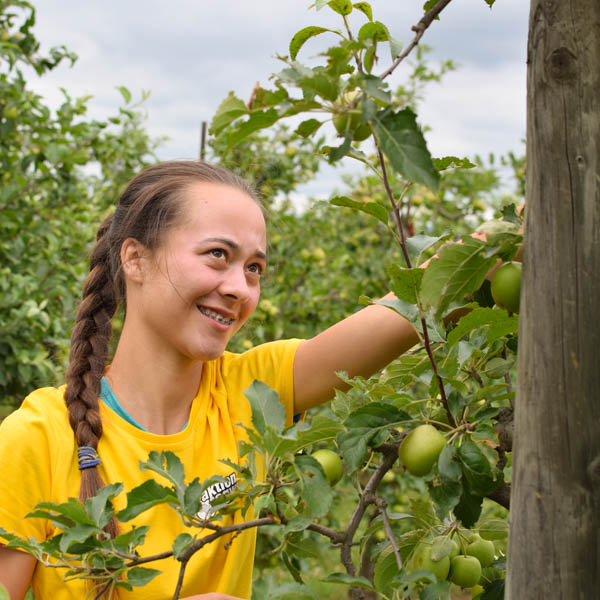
[
  {"x": 348, "y": 117},
  {"x": 331, "y": 463},
  {"x": 420, "y": 449},
  {"x": 483, "y": 550},
  {"x": 422, "y": 560},
  {"x": 506, "y": 286},
  {"x": 388, "y": 477},
  {"x": 465, "y": 571}
]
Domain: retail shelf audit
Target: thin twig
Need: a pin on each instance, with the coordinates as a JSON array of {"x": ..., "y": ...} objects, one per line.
[
  {"x": 180, "y": 581},
  {"x": 381, "y": 505},
  {"x": 420, "y": 29}
]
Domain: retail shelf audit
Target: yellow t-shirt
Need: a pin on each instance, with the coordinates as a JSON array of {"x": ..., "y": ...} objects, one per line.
[{"x": 38, "y": 455}]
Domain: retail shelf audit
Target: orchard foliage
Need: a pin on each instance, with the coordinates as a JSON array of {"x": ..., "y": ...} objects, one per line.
[
  {"x": 60, "y": 173},
  {"x": 381, "y": 531}
]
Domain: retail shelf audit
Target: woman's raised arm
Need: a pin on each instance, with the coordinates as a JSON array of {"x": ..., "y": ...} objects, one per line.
[{"x": 361, "y": 344}]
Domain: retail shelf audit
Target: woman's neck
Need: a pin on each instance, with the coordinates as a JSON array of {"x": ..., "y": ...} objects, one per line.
[{"x": 157, "y": 391}]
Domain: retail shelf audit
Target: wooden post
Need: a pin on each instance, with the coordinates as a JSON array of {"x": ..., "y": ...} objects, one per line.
[{"x": 554, "y": 548}]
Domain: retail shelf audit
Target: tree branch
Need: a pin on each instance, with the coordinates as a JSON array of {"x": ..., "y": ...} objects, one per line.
[{"x": 420, "y": 29}]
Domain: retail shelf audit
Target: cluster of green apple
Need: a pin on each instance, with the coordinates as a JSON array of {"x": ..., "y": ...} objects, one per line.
[
  {"x": 462, "y": 562},
  {"x": 348, "y": 117}
]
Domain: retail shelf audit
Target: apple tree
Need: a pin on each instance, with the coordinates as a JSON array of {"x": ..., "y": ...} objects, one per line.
[{"x": 60, "y": 172}]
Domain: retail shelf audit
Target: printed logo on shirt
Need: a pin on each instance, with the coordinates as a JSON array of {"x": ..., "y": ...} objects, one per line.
[{"x": 213, "y": 491}]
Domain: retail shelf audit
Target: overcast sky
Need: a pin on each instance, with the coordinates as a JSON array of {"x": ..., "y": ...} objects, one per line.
[{"x": 190, "y": 53}]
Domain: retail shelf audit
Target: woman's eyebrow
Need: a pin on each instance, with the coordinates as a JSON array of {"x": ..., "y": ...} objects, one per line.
[{"x": 234, "y": 245}]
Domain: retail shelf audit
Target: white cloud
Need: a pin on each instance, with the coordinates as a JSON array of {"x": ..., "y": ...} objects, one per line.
[{"x": 191, "y": 53}]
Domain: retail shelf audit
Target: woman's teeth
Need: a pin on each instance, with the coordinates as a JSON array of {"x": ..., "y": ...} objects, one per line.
[{"x": 216, "y": 316}]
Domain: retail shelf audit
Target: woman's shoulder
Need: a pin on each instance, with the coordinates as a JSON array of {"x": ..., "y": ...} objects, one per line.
[
  {"x": 267, "y": 352},
  {"x": 42, "y": 409}
]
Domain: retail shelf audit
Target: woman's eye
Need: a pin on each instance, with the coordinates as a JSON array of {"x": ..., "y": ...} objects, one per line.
[
  {"x": 217, "y": 253},
  {"x": 255, "y": 268}
]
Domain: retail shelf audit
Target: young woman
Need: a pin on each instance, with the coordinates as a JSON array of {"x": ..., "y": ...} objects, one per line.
[{"x": 184, "y": 251}]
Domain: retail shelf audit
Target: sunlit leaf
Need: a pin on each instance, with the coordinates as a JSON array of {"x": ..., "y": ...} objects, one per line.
[
  {"x": 229, "y": 110},
  {"x": 267, "y": 409},
  {"x": 301, "y": 37},
  {"x": 371, "y": 208}
]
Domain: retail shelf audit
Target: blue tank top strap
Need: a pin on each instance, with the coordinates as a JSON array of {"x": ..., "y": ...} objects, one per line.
[{"x": 109, "y": 398}]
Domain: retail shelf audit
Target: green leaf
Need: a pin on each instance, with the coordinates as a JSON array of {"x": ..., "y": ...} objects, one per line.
[
  {"x": 459, "y": 270},
  {"x": 290, "y": 565},
  {"x": 468, "y": 509},
  {"x": 448, "y": 162},
  {"x": 371, "y": 208},
  {"x": 229, "y": 110},
  {"x": 99, "y": 507},
  {"x": 146, "y": 496},
  {"x": 490, "y": 3},
  {"x": 336, "y": 153},
  {"x": 297, "y": 524},
  {"x": 367, "y": 425},
  {"x": 182, "y": 541},
  {"x": 386, "y": 568},
  {"x": 308, "y": 127},
  {"x": 449, "y": 465},
  {"x": 440, "y": 548},
  {"x": 417, "y": 244},
  {"x": 345, "y": 578},
  {"x": 77, "y": 534},
  {"x": 131, "y": 539},
  {"x": 342, "y": 7},
  {"x": 4, "y": 593},
  {"x": 365, "y": 8},
  {"x": 317, "y": 492},
  {"x": 476, "y": 468},
  {"x": 440, "y": 590},
  {"x": 403, "y": 144},
  {"x": 301, "y": 546},
  {"x": 267, "y": 409},
  {"x": 256, "y": 121},
  {"x": 374, "y": 30},
  {"x": 321, "y": 84},
  {"x": 302, "y": 36},
  {"x": 321, "y": 429},
  {"x": 406, "y": 282},
  {"x": 73, "y": 511},
  {"x": 125, "y": 93},
  {"x": 374, "y": 87},
  {"x": 445, "y": 494},
  {"x": 140, "y": 576},
  {"x": 496, "y": 321},
  {"x": 169, "y": 466},
  {"x": 494, "y": 590}
]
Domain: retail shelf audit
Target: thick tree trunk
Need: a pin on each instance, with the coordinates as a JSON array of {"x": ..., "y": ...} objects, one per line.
[{"x": 554, "y": 549}]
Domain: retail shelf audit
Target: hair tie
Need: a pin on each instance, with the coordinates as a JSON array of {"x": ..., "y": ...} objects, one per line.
[{"x": 87, "y": 457}]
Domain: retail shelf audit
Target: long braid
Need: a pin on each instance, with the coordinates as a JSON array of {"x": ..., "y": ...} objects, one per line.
[{"x": 87, "y": 360}]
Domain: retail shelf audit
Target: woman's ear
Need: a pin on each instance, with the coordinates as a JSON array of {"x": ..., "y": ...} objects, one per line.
[{"x": 133, "y": 255}]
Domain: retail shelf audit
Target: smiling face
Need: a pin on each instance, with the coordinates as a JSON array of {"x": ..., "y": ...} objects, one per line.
[{"x": 203, "y": 283}]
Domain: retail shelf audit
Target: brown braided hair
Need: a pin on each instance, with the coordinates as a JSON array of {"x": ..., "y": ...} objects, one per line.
[{"x": 147, "y": 209}]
